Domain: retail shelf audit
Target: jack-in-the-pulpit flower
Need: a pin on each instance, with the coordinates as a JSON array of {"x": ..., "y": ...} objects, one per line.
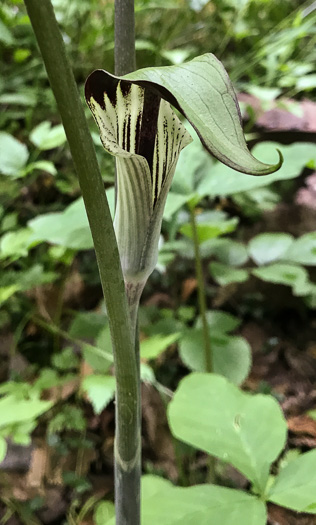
[{"x": 138, "y": 127}]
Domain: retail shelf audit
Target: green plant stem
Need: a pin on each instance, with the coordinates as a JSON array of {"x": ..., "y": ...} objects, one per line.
[
  {"x": 124, "y": 46},
  {"x": 63, "y": 84},
  {"x": 201, "y": 293},
  {"x": 211, "y": 470},
  {"x": 127, "y": 483}
]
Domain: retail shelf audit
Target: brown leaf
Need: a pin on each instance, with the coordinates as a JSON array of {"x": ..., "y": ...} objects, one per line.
[
  {"x": 188, "y": 287},
  {"x": 281, "y": 516},
  {"x": 302, "y": 425}
]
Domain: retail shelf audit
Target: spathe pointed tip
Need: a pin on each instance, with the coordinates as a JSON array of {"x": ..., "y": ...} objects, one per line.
[
  {"x": 281, "y": 160},
  {"x": 271, "y": 168}
]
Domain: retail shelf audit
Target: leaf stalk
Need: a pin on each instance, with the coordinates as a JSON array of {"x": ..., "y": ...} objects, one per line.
[{"x": 63, "y": 84}]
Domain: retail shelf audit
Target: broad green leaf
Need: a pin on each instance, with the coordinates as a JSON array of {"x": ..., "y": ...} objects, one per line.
[
  {"x": 69, "y": 228},
  {"x": 16, "y": 244},
  {"x": 99, "y": 358},
  {"x": 174, "y": 202},
  {"x": 163, "y": 503},
  {"x": 206, "y": 231},
  {"x": 295, "y": 485},
  {"x": 211, "y": 414},
  {"x": 65, "y": 359},
  {"x": 219, "y": 322},
  {"x": 27, "y": 279},
  {"x": 224, "y": 274},
  {"x": 268, "y": 247},
  {"x": 100, "y": 390},
  {"x": 306, "y": 82},
  {"x": 104, "y": 512},
  {"x": 303, "y": 250},
  {"x": 230, "y": 356},
  {"x": 154, "y": 346},
  {"x": 43, "y": 165},
  {"x": 194, "y": 162},
  {"x": 202, "y": 504},
  {"x": 87, "y": 325},
  {"x": 287, "y": 274},
  {"x": 13, "y": 155},
  {"x": 202, "y": 91},
  {"x": 27, "y": 98},
  {"x": 227, "y": 251},
  {"x": 14, "y": 410},
  {"x": 45, "y": 136},
  {"x": 222, "y": 180}
]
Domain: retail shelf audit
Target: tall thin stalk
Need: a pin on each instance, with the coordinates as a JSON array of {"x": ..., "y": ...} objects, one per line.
[
  {"x": 201, "y": 293},
  {"x": 211, "y": 470},
  {"x": 127, "y": 477},
  {"x": 124, "y": 37},
  {"x": 127, "y": 445}
]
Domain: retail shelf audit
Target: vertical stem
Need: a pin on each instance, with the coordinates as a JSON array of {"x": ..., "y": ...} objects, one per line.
[
  {"x": 211, "y": 471},
  {"x": 124, "y": 30},
  {"x": 201, "y": 293},
  {"x": 63, "y": 84},
  {"x": 127, "y": 482}
]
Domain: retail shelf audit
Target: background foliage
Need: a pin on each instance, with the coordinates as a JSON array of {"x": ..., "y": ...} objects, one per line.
[{"x": 256, "y": 239}]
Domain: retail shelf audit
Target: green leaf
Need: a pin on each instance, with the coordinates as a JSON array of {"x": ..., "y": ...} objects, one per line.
[
  {"x": 231, "y": 356},
  {"x": 14, "y": 410},
  {"x": 65, "y": 359},
  {"x": 202, "y": 504},
  {"x": 100, "y": 360},
  {"x": 223, "y": 181},
  {"x": 103, "y": 513},
  {"x": 213, "y": 415},
  {"x": 45, "y": 136},
  {"x": 202, "y": 91},
  {"x": 27, "y": 98},
  {"x": 69, "y": 228},
  {"x": 210, "y": 230},
  {"x": 87, "y": 325},
  {"x": 16, "y": 244},
  {"x": 100, "y": 390},
  {"x": 302, "y": 250},
  {"x": 295, "y": 486},
  {"x": 219, "y": 322},
  {"x": 154, "y": 346},
  {"x": 224, "y": 274},
  {"x": 13, "y": 155},
  {"x": 194, "y": 163},
  {"x": 306, "y": 82},
  {"x": 228, "y": 252},
  {"x": 174, "y": 202},
  {"x": 42, "y": 165},
  {"x": 163, "y": 503},
  {"x": 268, "y": 247},
  {"x": 287, "y": 274}
]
